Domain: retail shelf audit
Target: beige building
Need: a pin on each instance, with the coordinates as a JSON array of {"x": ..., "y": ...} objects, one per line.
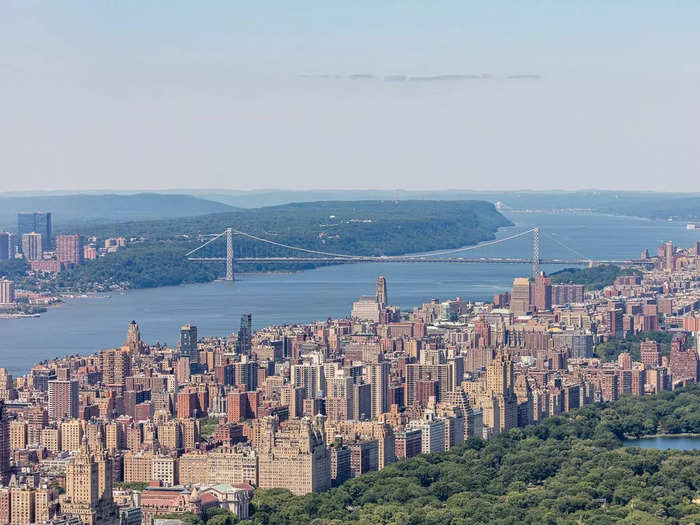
[
  {"x": 170, "y": 435},
  {"x": 218, "y": 466},
  {"x": 114, "y": 437},
  {"x": 18, "y": 435},
  {"x": 51, "y": 439},
  {"x": 164, "y": 469},
  {"x": 366, "y": 430},
  {"x": 190, "y": 433},
  {"x": 71, "y": 435},
  {"x": 45, "y": 500},
  {"x": 22, "y": 505},
  {"x": 89, "y": 488},
  {"x": 193, "y": 467},
  {"x": 520, "y": 298},
  {"x": 138, "y": 467},
  {"x": 294, "y": 457}
]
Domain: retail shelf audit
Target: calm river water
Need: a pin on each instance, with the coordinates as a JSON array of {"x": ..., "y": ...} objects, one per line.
[
  {"x": 87, "y": 325},
  {"x": 666, "y": 442}
]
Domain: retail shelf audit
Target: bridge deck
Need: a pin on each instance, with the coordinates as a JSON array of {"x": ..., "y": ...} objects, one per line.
[{"x": 399, "y": 259}]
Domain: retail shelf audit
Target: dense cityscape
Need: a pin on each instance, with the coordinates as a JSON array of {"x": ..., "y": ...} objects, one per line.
[
  {"x": 146, "y": 432},
  {"x": 349, "y": 263}
]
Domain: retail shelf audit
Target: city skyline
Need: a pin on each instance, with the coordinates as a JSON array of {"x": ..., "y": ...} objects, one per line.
[{"x": 378, "y": 262}]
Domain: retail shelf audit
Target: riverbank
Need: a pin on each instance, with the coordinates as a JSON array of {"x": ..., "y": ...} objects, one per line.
[{"x": 18, "y": 316}]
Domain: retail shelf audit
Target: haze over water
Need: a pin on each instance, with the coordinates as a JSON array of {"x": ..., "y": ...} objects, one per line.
[{"x": 87, "y": 325}]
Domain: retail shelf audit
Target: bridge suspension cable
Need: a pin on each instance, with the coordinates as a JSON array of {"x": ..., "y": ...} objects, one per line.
[
  {"x": 567, "y": 247},
  {"x": 205, "y": 244},
  {"x": 350, "y": 256},
  {"x": 469, "y": 248},
  {"x": 281, "y": 245}
]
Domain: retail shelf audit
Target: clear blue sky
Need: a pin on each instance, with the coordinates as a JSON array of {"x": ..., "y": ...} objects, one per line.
[{"x": 148, "y": 95}]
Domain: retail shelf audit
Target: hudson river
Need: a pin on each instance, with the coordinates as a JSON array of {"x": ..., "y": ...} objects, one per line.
[{"x": 87, "y": 325}]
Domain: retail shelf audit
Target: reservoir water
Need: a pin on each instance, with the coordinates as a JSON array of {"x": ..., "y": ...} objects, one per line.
[
  {"x": 666, "y": 442},
  {"x": 87, "y": 325}
]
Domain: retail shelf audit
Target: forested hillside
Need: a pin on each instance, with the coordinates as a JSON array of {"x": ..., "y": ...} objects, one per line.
[
  {"x": 595, "y": 278},
  {"x": 70, "y": 211},
  {"x": 570, "y": 469},
  {"x": 156, "y": 257}
]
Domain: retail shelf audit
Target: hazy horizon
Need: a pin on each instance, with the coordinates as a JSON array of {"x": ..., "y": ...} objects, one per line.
[{"x": 503, "y": 96}]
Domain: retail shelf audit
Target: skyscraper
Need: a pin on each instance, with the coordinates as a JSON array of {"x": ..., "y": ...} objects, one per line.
[
  {"x": 69, "y": 249},
  {"x": 5, "y": 245},
  {"x": 520, "y": 297},
  {"x": 133, "y": 337},
  {"x": 89, "y": 488},
  {"x": 188, "y": 343},
  {"x": 4, "y": 443},
  {"x": 309, "y": 377},
  {"x": 40, "y": 222},
  {"x": 63, "y": 399},
  {"x": 115, "y": 365},
  {"x": 543, "y": 293},
  {"x": 7, "y": 292},
  {"x": 650, "y": 354},
  {"x": 245, "y": 334},
  {"x": 382, "y": 297},
  {"x": 32, "y": 246},
  {"x": 668, "y": 256},
  {"x": 378, "y": 374}
]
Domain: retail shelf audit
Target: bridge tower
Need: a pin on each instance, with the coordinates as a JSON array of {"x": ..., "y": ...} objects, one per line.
[
  {"x": 535, "y": 252},
  {"x": 229, "y": 254}
]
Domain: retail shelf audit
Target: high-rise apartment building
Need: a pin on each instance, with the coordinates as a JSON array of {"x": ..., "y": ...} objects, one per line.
[
  {"x": 294, "y": 457},
  {"x": 39, "y": 222},
  {"x": 684, "y": 362},
  {"x": 22, "y": 503},
  {"x": 567, "y": 293},
  {"x": 7, "y": 246},
  {"x": 63, "y": 399},
  {"x": 245, "y": 334},
  {"x": 311, "y": 378},
  {"x": 69, "y": 249},
  {"x": 520, "y": 296},
  {"x": 650, "y": 354},
  {"x": 433, "y": 433},
  {"x": 18, "y": 434},
  {"x": 188, "y": 343},
  {"x": 615, "y": 318},
  {"x": 7, "y": 292},
  {"x": 367, "y": 308},
  {"x": 115, "y": 365},
  {"x": 382, "y": 297},
  {"x": 4, "y": 443},
  {"x": 668, "y": 256},
  {"x": 89, "y": 488},
  {"x": 71, "y": 433},
  {"x": 543, "y": 293},
  {"x": 32, "y": 246},
  {"x": 378, "y": 377},
  {"x": 339, "y": 400}
]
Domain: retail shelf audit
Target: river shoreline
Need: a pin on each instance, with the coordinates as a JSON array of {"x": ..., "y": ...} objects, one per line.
[{"x": 663, "y": 435}]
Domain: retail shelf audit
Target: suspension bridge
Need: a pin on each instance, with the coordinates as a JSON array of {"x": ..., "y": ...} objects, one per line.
[{"x": 285, "y": 253}]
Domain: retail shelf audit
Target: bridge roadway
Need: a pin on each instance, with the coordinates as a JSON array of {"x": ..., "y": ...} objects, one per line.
[{"x": 408, "y": 259}]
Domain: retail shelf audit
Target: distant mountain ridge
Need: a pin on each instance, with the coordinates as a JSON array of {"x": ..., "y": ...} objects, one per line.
[
  {"x": 83, "y": 209},
  {"x": 651, "y": 205}
]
